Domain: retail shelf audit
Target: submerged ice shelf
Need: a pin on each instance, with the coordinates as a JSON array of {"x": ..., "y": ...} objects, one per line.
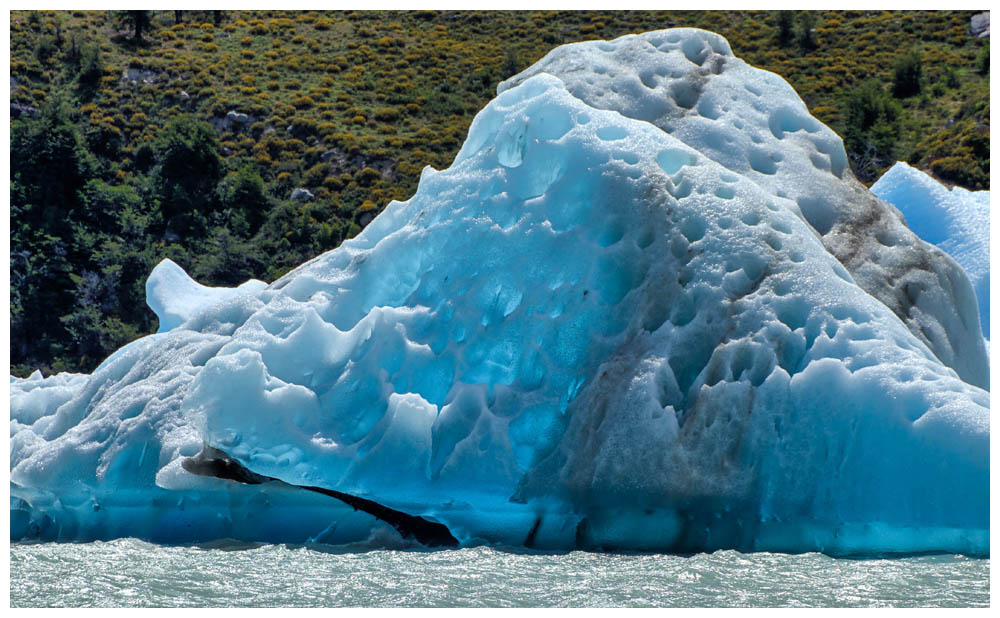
[{"x": 647, "y": 307}]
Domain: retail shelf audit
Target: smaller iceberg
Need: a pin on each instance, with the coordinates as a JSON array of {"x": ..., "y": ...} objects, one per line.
[{"x": 957, "y": 221}]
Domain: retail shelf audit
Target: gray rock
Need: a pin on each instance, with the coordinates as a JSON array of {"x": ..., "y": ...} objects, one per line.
[
  {"x": 979, "y": 25},
  {"x": 233, "y": 120},
  {"x": 18, "y": 110},
  {"x": 326, "y": 156},
  {"x": 139, "y": 75},
  {"x": 302, "y": 195}
]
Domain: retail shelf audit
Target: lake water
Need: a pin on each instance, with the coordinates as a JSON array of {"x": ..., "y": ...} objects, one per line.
[{"x": 132, "y": 573}]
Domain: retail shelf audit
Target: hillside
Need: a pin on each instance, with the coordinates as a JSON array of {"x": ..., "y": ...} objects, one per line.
[{"x": 240, "y": 144}]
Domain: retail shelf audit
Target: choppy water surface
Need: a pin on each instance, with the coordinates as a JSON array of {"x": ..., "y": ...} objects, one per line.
[{"x": 133, "y": 573}]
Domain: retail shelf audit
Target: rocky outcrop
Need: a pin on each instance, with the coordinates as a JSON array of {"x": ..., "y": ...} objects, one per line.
[{"x": 979, "y": 25}]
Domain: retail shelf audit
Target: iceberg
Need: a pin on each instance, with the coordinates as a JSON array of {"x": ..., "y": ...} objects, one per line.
[
  {"x": 647, "y": 307},
  {"x": 956, "y": 220}
]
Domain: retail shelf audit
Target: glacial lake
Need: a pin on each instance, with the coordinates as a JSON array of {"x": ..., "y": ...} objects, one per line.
[{"x": 132, "y": 573}]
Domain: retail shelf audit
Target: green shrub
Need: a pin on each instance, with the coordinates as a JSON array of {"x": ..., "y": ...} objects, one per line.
[
  {"x": 387, "y": 114},
  {"x": 315, "y": 175},
  {"x": 961, "y": 170},
  {"x": 367, "y": 176},
  {"x": 45, "y": 48},
  {"x": 950, "y": 78}
]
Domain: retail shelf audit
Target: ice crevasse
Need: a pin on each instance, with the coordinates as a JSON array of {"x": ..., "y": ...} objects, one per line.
[{"x": 647, "y": 307}]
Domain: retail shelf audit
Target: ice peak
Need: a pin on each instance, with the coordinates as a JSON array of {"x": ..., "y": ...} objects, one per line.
[{"x": 175, "y": 297}]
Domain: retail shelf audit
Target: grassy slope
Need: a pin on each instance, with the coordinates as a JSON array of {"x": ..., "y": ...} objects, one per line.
[
  {"x": 429, "y": 73},
  {"x": 385, "y": 93}
]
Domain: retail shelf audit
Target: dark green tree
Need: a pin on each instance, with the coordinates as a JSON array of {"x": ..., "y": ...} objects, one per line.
[
  {"x": 51, "y": 166},
  {"x": 511, "y": 64},
  {"x": 187, "y": 172},
  {"x": 785, "y": 23},
  {"x": 227, "y": 260},
  {"x": 951, "y": 78},
  {"x": 91, "y": 69},
  {"x": 95, "y": 331},
  {"x": 907, "y": 74},
  {"x": 243, "y": 194},
  {"x": 807, "y": 23},
  {"x": 49, "y": 169},
  {"x": 137, "y": 21}
]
